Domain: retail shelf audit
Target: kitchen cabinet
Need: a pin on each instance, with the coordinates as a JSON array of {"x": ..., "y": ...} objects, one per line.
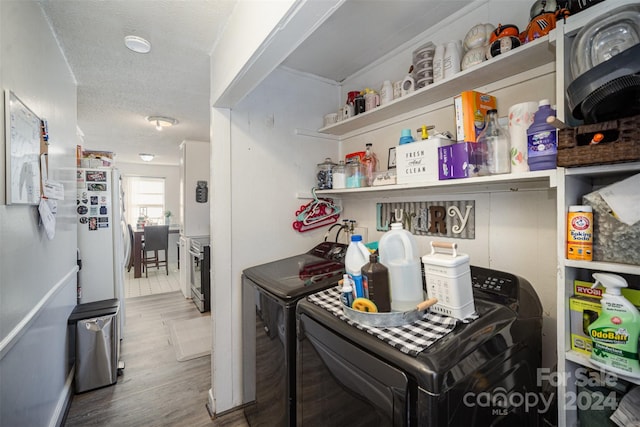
[
  {"x": 573, "y": 183},
  {"x": 194, "y": 182}
]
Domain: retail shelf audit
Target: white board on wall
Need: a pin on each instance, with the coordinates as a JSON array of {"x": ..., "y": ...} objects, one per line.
[{"x": 22, "y": 152}]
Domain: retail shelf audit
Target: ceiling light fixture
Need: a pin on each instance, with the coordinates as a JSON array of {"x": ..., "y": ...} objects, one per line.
[
  {"x": 146, "y": 157},
  {"x": 162, "y": 122},
  {"x": 137, "y": 44}
]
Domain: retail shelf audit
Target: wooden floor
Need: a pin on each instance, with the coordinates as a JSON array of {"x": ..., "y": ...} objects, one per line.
[{"x": 155, "y": 389}]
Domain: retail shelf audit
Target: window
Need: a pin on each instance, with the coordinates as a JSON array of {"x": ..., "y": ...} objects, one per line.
[{"x": 145, "y": 197}]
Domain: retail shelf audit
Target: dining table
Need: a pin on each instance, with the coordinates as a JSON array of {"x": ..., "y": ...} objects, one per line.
[{"x": 138, "y": 234}]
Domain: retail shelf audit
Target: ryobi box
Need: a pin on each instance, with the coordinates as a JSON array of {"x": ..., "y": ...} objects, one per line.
[{"x": 584, "y": 310}]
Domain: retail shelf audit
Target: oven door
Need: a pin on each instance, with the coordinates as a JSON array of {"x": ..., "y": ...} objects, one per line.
[
  {"x": 339, "y": 384},
  {"x": 195, "y": 264}
]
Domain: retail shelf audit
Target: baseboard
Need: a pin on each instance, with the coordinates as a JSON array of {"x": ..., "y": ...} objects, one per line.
[{"x": 64, "y": 402}]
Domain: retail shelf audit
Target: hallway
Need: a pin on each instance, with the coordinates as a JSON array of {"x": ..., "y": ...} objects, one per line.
[{"x": 154, "y": 389}]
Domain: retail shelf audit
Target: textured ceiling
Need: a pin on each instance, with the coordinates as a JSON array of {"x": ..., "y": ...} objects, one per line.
[{"x": 117, "y": 88}]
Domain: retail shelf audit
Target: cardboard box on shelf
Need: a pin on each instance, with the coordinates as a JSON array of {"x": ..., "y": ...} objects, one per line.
[
  {"x": 457, "y": 160},
  {"x": 583, "y": 312},
  {"x": 418, "y": 161},
  {"x": 471, "y": 109}
]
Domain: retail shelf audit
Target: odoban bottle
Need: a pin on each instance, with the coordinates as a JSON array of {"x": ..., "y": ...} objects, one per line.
[
  {"x": 356, "y": 256},
  {"x": 375, "y": 279},
  {"x": 615, "y": 332}
]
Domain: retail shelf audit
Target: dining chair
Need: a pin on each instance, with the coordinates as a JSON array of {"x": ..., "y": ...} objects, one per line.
[
  {"x": 131, "y": 255},
  {"x": 156, "y": 239}
]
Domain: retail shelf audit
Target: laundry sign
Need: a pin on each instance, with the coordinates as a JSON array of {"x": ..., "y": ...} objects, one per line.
[{"x": 454, "y": 218}]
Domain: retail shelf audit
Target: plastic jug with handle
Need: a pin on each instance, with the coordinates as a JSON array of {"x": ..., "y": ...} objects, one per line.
[
  {"x": 399, "y": 253},
  {"x": 356, "y": 257}
]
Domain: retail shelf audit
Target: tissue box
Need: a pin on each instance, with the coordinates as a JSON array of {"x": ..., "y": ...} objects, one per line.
[
  {"x": 456, "y": 161},
  {"x": 613, "y": 240},
  {"x": 471, "y": 109},
  {"x": 418, "y": 161}
]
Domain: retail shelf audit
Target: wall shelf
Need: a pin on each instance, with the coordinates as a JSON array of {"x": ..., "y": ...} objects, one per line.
[
  {"x": 522, "y": 59},
  {"x": 508, "y": 182},
  {"x": 583, "y": 360}
]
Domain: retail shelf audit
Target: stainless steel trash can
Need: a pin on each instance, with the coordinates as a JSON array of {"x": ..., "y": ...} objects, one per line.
[{"x": 95, "y": 329}]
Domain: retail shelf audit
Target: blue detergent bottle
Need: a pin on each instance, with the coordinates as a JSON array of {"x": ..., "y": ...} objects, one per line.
[
  {"x": 542, "y": 139},
  {"x": 406, "y": 137}
]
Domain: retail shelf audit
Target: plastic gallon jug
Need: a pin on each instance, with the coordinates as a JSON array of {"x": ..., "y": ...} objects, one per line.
[
  {"x": 399, "y": 253},
  {"x": 542, "y": 139},
  {"x": 615, "y": 332},
  {"x": 356, "y": 257}
]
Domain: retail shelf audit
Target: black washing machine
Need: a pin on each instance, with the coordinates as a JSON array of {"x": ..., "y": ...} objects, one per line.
[
  {"x": 473, "y": 376},
  {"x": 270, "y": 293}
]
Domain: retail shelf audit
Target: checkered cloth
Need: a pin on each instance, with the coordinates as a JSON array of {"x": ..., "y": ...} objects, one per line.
[{"x": 410, "y": 339}]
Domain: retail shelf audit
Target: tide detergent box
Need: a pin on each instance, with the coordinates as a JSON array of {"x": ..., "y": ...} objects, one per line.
[{"x": 471, "y": 109}]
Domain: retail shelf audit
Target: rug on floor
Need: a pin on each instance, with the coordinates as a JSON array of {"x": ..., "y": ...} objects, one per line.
[{"x": 191, "y": 338}]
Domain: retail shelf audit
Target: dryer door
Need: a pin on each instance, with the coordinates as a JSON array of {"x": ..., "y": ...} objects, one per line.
[{"x": 339, "y": 384}]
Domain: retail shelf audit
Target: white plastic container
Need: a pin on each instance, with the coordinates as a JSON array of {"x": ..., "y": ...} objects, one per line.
[
  {"x": 448, "y": 278},
  {"x": 418, "y": 161},
  {"x": 356, "y": 257},
  {"x": 399, "y": 253}
]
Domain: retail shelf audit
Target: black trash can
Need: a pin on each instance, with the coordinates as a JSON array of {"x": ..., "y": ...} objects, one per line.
[{"x": 95, "y": 343}]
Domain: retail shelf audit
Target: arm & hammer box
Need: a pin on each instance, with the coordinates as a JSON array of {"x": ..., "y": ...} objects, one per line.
[
  {"x": 418, "y": 161},
  {"x": 585, "y": 308}
]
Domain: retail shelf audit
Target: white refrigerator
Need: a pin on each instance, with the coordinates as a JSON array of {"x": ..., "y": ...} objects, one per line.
[{"x": 103, "y": 237}]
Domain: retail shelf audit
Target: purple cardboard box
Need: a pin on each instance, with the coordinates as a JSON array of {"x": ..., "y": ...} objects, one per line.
[{"x": 454, "y": 160}]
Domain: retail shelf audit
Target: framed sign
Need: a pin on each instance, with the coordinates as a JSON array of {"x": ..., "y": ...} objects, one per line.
[
  {"x": 392, "y": 158},
  {"x": 22, "y": 152}
]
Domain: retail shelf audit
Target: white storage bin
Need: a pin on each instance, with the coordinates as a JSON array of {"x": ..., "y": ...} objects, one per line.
[
  {"x": 418, "y": 161},
  {"x": 448, "y": 278}
]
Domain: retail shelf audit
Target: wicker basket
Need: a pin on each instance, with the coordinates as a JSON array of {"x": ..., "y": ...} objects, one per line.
[{"x": 621, "y": 143}]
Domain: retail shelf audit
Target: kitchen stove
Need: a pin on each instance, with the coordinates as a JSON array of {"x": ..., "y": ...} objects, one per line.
[{"x": 200, "y": 261}]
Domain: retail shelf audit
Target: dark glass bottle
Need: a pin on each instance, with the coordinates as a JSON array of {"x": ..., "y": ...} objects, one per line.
[{"x": 375, "y": 279}]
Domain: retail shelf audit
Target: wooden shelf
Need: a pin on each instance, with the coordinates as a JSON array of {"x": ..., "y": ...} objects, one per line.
[
  {"x": 585, "y": 361},
  {"x": 524, "y": 58},
  {"x": 611, "y": 267}
]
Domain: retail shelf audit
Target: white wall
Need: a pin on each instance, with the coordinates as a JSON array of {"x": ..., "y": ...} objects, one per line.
[
  {"x": 260, "y": 168},
  {"x": 37, "y": 275}
]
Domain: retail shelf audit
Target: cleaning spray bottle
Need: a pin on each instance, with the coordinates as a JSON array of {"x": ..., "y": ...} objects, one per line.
[{"x": 615, "y": 333}]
